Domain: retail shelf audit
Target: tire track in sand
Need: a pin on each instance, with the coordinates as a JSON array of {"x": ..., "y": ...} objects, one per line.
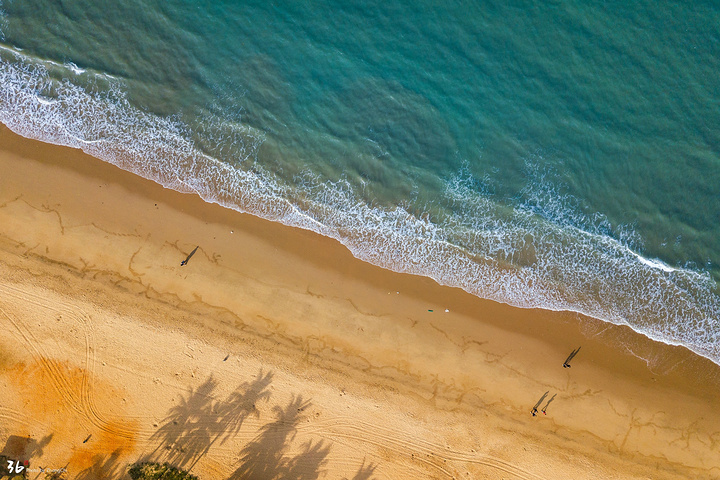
[
  {"x": 14, "y": 416},
  {"x": 403, "y": 444},
  {"x": 82, "y": 402}
]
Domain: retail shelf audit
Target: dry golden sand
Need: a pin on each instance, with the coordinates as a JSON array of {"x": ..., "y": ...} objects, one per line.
[{"x": 275, "y": 353}]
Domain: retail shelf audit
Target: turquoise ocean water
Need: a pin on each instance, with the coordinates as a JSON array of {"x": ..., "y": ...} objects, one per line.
[{"x": 559, "y": 154}]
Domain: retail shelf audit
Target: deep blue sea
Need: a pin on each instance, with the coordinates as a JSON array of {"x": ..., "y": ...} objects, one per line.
[{"x": 560, "y": 154}]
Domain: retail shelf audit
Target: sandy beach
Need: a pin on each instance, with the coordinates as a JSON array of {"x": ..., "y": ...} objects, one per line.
[{"x": 276, "y": 354}]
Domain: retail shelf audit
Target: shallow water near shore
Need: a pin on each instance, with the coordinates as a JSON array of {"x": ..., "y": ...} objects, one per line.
[{"x": 560, "y": 156}]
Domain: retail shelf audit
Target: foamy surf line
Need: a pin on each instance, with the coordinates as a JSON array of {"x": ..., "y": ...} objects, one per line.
[{"x": 562, "y": 268}]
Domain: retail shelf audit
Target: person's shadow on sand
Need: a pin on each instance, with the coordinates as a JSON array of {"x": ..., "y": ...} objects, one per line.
[{"x": 534, "y": 409}]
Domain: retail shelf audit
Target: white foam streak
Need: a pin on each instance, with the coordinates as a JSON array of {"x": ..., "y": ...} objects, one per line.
[
  {"x": 75, "y": 69},
  {"x": 655, "y": 263},
  {"x": 45, "y": 101}
]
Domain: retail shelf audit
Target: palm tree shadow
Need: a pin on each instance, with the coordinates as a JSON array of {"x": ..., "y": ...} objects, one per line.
[
  {"x": 192, "y": 427},
  {"x": 365, "y": 472},
  {"x": 103, "y": 467},
  {"x": 188, "y": 427},
  {"x": 307, "y": 465},
  {"x": 242, "y": 403},
  {"x": 198, "y": 421},
  {"x": 24, "y": 448},
  {"x": 264, "y": 458}
]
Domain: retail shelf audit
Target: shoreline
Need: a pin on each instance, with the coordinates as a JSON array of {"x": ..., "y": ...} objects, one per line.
[{"x": 312, "y": 313}]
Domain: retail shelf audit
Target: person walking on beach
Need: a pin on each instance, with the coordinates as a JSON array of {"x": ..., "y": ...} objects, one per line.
[
  {"x": 544, "y": 409},
  {"x": 566, "y": 364},
  {"x": 184, "y": 262},
  {"x": 534, "y": 409}
]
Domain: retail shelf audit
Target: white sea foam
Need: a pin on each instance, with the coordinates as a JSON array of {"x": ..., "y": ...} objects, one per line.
[
  {"x": 75, "y": 69},
  {"x": 655, "y": 263},
  {"x": 517, "y": 256}
]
